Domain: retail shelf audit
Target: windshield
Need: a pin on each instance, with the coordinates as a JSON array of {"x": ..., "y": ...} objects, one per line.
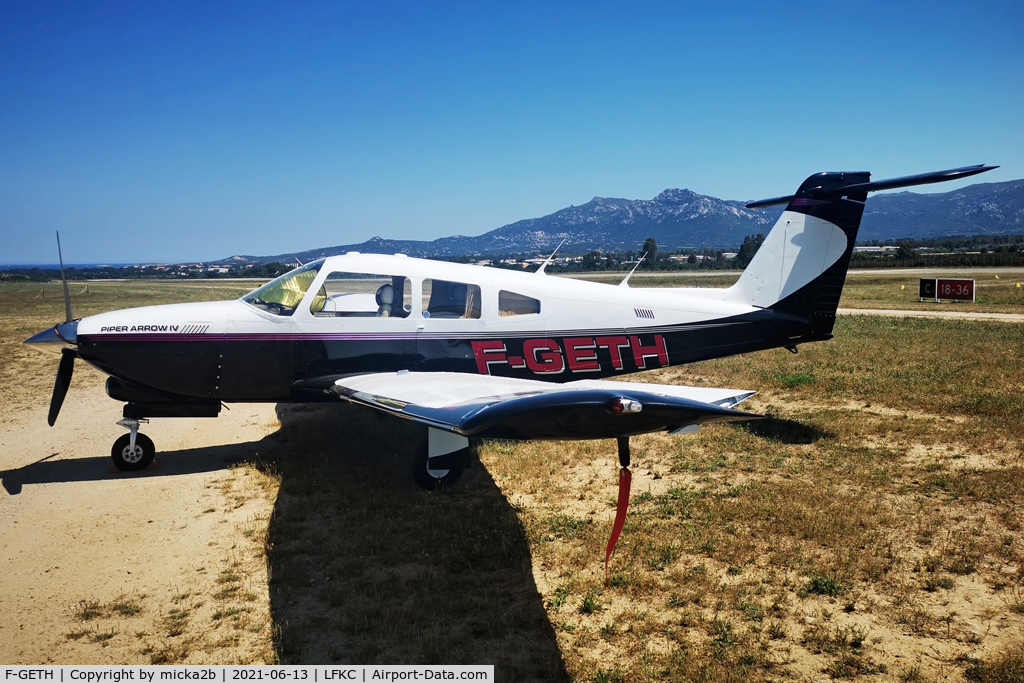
[{"x": 282, "y": 295}]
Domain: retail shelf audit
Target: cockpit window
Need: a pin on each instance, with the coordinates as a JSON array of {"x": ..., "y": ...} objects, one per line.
[
  {"x": 281, "y": 296},
  {"x": 363, "y": 295}
]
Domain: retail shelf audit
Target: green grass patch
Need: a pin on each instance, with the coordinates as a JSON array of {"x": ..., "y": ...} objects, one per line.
[
  {"x": 795, "y": 379},
  {"x": 825, "y": 585}
]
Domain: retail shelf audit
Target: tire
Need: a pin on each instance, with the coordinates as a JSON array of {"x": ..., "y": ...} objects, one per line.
[
  {"x": 433, "y": 480},
  {"x": 126, "y": 461}
]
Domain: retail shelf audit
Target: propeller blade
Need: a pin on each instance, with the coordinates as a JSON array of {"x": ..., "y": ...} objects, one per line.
[
  {"x": 67, "y": 306},
  {"x": 61, "y": 384}
]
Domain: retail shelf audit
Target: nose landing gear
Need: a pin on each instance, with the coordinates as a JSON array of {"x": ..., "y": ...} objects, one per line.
[{"x": 133, "y": 451}]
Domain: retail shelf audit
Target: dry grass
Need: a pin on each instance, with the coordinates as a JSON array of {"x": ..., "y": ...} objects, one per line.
[
  {"x": 26, "y": 374},
  {"x": 124, "y": 605},
  {"x": 365, "y": 567},
  {"x": 217, "y": 617},
  {"x": 870, "y": 289},
  {"x": 880, "y": 498},
  {"x": 1007, "y": 667},
  {"x": 875, "y": 290},
  {"x": 874, "y": 514},
  {"x": 870, "y": 526}
]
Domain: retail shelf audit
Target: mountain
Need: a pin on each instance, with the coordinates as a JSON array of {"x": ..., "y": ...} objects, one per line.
[
  {"x": 982, "y": 209},
  {"x": 684, "y": 219}
]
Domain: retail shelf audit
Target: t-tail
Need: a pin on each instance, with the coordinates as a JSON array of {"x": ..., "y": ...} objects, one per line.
[{"x": 800, "y": 268}]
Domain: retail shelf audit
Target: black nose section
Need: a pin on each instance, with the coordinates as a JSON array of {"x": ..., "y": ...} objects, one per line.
[{"x": 62, "y": 336}]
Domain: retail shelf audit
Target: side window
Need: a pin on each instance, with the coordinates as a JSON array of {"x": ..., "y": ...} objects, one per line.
[
  {"x": 510, "y": 303},
  {"x": 443, "y": 299},
  {"x": 362, "y": 295}
]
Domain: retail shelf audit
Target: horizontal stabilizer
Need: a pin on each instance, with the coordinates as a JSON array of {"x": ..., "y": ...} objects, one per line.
[{"x": 834, "y": 191}]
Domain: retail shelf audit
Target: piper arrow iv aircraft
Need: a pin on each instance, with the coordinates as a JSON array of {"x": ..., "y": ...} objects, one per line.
[{"x": 472, "y": 351}]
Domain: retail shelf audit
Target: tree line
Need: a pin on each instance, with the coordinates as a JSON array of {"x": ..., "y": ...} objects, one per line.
[{"x": 956, "y": 251}]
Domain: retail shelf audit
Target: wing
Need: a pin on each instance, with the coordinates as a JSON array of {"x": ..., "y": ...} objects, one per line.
[{"x": 507, "y": 408}]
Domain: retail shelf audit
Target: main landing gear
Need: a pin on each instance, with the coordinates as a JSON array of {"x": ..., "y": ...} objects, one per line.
[
  {"x": 133, "y": 451},
  {"x": 440, "y": 462}
]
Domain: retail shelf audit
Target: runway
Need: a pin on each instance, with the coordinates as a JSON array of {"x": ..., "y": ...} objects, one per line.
[{"x": 956, "y": 315}]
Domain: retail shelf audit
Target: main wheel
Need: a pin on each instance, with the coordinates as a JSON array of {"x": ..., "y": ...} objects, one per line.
[
  {"x": 429, "y": 479},
  {"x": 128, "y": 460}
]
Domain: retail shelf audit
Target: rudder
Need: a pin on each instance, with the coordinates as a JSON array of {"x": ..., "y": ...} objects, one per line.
[{"x": 801, "y": 267}]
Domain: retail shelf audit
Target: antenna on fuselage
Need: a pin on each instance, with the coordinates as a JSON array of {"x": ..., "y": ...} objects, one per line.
[
  {"x": 549, "y": 259},
  {"x": 625, "y": 281}
]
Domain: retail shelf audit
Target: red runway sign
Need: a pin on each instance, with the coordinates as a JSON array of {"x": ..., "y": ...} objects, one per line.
[
  {"x": 952, "y": 289},
  {"x": 959, "y": 290}
]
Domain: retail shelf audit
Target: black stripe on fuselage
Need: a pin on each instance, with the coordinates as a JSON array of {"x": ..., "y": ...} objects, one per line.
[{"x": 298, "y": 367}]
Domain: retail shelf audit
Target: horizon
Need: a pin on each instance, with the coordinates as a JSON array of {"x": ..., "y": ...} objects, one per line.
[
  {"x": 170, "y": 132},
  {"x": 566, "y": 250},
  {"x": 221, "y": 260}
]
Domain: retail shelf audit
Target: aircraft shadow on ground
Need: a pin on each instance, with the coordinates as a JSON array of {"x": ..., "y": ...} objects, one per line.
[
  {"x": 785, "y": 430},
  {"x": 365, "y": 567},
  {"x": 52, "y": 470}
]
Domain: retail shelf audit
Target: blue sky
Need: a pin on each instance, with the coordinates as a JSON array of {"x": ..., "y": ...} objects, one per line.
[{"x": 152, "y": 131}]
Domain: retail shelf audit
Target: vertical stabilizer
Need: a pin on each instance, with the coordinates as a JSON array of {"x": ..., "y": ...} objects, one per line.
[{"x": 801, "y": 267}]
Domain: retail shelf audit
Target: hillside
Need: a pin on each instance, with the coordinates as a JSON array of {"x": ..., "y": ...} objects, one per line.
[{"x": 680, "y": 218}]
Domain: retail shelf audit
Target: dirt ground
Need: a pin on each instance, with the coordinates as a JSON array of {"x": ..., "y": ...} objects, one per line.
[
  {"x": 150, "y": 550},
  {"x": 170, "y": 565}
]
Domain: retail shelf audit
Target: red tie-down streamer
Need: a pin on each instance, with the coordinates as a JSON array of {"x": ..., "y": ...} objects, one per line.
[{"x": 625, "y": 480}]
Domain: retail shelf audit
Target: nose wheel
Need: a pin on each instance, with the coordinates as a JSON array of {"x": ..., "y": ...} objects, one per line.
[{"x": 133, "y": 451}]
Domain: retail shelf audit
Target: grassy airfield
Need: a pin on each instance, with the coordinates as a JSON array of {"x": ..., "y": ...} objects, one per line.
[
  {"x": 869, "y": 289},
  {"x": 870, "y": 527}
]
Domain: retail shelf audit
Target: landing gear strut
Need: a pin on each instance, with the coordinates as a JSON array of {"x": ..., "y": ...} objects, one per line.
[
  {"x": 133, "y": 451},
  {"x": 441, "y": 461}
]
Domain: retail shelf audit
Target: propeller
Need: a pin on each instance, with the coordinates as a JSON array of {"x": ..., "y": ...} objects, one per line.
[
  {"x": 64, "y": 281},
  {"x": 63, "y": 381},
  {"x": 67, "y": 356}
]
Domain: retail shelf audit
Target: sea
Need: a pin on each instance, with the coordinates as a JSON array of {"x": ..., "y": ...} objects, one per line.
[{"x": 56, "y": 266}]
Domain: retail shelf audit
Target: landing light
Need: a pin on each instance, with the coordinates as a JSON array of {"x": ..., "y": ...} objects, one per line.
[{"x": 626, "y": 405}]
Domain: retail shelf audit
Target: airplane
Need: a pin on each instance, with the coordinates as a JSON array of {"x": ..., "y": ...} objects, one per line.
[{"x": 477, "y": 352}]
